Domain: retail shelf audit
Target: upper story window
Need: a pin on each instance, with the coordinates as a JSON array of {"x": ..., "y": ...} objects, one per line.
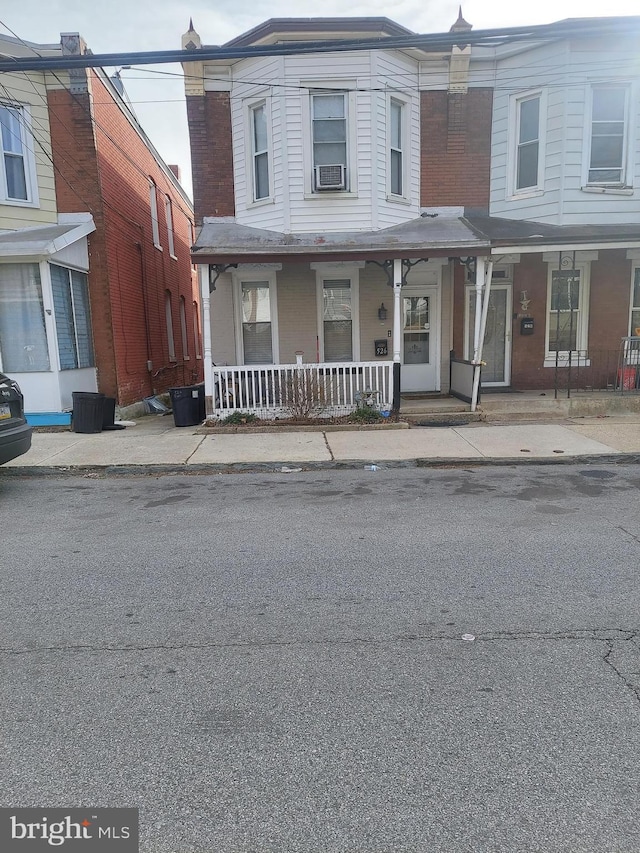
[
  {"x": 329, "y": 140},
  {"x": 168, "y": 318},
  {"x": 260, "y": 151},
  {"x": 168, "y": 213},
  {"x": 609, "y": 121},
  {"x": 528, "y": 136},
  {"x": 396, "y": 147},
  {"x": 153, "y": 205},
  {"x": 18, "y": 185}
]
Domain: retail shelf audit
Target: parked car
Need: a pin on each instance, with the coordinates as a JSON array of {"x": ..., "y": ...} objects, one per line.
[{"x": 15, "y": 432}]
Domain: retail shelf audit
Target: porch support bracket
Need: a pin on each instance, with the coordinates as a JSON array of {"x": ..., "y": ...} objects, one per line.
[{"x": 215, "y": 271}]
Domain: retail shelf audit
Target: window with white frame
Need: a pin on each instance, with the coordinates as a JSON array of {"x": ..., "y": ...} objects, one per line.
[
  {"x": 607, "y": 152},
  {"x": 257, "y": 332},
  {"x": 73, "y": 320},
  {"x": 528, "y": 135},
  {"x": 183, "y": 329},
  {"x": 196, "y": 330},
  {"x": 168, "y": 316},
  {"x": 23, "y": 334},
  {"x": 337, "y": 320},
  {"x": 329, "y": 140},
  {"x": 567, "y": 311},
  {"x": 260, "y": 151},
  {"x": 396, "y": 147},
  {"x": 153, "y": 206},
  {"x": 635, "y": 303},
  {"x": 18, "y": 164},
  {"x": 168, "y": 212}
]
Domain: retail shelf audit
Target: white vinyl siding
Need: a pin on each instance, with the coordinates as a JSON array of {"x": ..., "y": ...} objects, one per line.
[{"x": 608, "y": 142}]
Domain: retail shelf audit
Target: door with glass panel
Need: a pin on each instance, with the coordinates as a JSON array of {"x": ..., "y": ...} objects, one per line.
[
  {"x": 420, "y": 336},
  {"x": 257, "y": 338},
  {"x": 496, "y": 350}
]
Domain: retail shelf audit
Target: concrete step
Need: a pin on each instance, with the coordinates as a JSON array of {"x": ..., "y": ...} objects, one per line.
[{"x": 454, "y": 418}]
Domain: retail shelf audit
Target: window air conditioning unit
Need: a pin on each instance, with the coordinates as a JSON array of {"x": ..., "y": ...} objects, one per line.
[{"x": 331, "y": 177}]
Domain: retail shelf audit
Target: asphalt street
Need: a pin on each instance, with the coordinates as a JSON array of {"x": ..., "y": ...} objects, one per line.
[{"x": 278, "y": 662}]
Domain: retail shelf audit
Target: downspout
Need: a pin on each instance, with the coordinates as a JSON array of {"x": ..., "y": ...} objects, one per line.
[
  {"x": 203, "y": 272},
  {"x": 484, "y": 274},
  {"x": 397, "y": 331}
]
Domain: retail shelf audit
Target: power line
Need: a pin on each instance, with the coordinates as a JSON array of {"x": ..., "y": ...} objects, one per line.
[{"x": 495, "y": 37}]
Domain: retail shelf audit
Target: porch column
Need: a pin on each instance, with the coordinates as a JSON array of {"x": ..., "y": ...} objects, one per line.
[
  {"x": 484, "y": 275},
  {"x": 397, "y": 331},
  {"x": 203, "y": 273}
]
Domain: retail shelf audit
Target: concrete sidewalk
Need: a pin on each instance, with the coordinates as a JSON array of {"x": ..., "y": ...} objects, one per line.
[{"x": 155, "y": 444}]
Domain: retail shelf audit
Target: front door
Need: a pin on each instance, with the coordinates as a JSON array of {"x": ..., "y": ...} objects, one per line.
[
  {"x": 420, "y": 339},
  {"x": 496, "y": 351}
]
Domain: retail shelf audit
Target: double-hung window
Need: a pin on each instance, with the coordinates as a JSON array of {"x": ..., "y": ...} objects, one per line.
[
  {"x": 168, "y": 214},
  {"x": 527, "y": 173},
  {"x": 259, "y": 151},
  {"x": 257, "y": 337},
  {"x": 608, "y": 135},
  {"x": 153, "y": 209},
  {"x": 329, "y": 140},
  {"x": 337, "y": 320},
  {"x": 396, "y": 146},
  {"x": 73, "y": 320},
  {"x": 568, "y": 306},
  {"x": 17, "y": 159},
  {"x": 635, "y": 304}
]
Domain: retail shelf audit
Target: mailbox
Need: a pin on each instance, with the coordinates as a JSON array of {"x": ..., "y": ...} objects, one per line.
[
  {"x": 526, "y": 326},
  {"x": 381, "y": 347}
]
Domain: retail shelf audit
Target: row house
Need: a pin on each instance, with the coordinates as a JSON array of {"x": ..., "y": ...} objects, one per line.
[
  {"x": 355, "y": 205},
  {"x": 97, "y": 289}
]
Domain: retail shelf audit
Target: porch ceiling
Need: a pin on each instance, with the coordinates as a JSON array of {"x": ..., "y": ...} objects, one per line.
[{"x": 434, "y": 236}]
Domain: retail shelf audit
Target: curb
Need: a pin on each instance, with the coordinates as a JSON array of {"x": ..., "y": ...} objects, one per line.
[{"x": 103, "y": 471}]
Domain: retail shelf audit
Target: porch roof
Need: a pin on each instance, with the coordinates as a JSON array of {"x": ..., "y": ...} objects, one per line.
[
  {"x": 224, "y": 241},
  {"x": 532, "y": 236},
  {"x": 42, "y": 241}
]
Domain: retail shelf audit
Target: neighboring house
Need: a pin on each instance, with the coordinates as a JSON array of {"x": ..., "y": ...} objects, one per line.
[
  {"x": 116, "y": 312},
  {"x": 505, "y": 173}
]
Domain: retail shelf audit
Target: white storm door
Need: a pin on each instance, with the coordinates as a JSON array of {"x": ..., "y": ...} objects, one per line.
[
  {"x": 420, "y": 323},
  {"x": 496, "y": 350}
]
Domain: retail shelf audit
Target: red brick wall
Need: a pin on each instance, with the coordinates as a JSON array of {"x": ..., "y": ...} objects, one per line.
[
  {"x": 103, "y": 165},
  {"x": 455, "y": 144},
  {"x": 209, "y": 118}
]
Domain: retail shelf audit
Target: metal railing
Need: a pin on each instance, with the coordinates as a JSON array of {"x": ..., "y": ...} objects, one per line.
[
  {"x": 615, "y": 370},
  {"x": 301, "y": 390}
]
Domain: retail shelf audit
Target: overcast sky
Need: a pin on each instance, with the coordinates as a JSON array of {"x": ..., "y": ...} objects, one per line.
[{"x": 158, "y": 98}]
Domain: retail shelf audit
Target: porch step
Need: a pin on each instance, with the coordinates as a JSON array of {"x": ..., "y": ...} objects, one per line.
[
  {"x": 522, "y": 409},
  {"x": 453, "y": 418}
]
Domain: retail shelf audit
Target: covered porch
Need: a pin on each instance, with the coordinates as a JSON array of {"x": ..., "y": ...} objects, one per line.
[{"x": 308, "y": 325}]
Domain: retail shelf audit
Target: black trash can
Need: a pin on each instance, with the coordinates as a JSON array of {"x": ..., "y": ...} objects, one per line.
[
  {"x": 108, "y": 412},
  {"x": 88, "y": 411},
  {"x": 188, "y": 405}
]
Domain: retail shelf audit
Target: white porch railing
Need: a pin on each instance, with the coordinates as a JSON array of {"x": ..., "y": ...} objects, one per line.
[{"x": 315, "y": 390}]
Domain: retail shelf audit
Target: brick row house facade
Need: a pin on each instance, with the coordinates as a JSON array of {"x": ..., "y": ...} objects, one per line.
[
  {"x": 97, "y": 288},
  {"x": 354, "y": 206}
]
